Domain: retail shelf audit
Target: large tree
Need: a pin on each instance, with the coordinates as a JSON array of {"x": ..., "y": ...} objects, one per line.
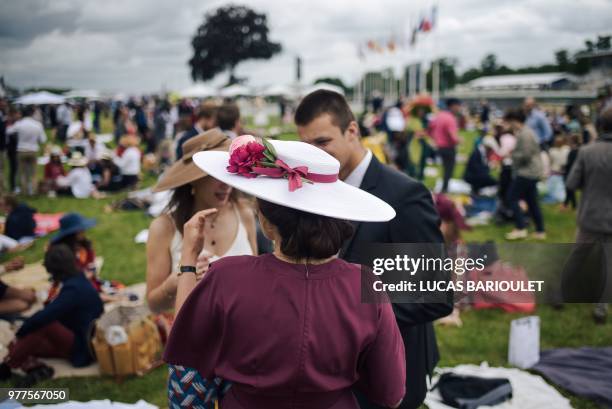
[{"x": 228, "y": 36}]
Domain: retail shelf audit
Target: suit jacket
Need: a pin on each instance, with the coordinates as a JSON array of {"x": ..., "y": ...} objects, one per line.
[
  {"x": 76, "y": 307},
  {"x": 416, "y": 222},
  {"x": 184, "y": 138}
]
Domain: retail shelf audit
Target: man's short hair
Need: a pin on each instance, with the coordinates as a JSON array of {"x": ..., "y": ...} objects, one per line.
[
  {"x": 322, "y": 102},
  {"x": 605, "y": 120},
  {"x": 515, "y": 114},
  {"x": 452, "y": 101},
  {"x": 207, "y": 110},
  {"x": 27, "y": 110},
  {"x": 227, "y": 116}
]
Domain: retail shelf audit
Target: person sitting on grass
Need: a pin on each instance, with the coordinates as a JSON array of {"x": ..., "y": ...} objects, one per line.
[
  {"x": 62, "y": 328},
  {"x": 129, "y": 161},
  {"x": 19, "y": 226},
  {"x": 78, "y": 182},
  {"x": 110, "y": 175},
  {"x": 53, "y": 170},
  {"x": 72, "y": 233}
]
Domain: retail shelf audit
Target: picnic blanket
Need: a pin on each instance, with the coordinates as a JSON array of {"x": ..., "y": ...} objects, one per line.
[
  {"x": 92, "y": 404},
  {"x": 35, "y": 276},
  {"x": 47, "y": 223},
  {"x": 582, "y": 371},
  {"x": 528, "y": 391}
]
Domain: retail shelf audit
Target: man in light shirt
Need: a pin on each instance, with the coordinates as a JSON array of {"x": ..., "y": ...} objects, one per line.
[
  {"x": 30, "y": 135},
  {"x": 537, "y": 121},
  {"x": 78, "y": 182},
  {"x": 64, "y": 119}
]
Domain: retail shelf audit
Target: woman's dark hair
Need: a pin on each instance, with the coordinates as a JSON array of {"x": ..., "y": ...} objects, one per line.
[
  {"x": 73, "y": 243},
  {"x": 180, "y": 206},
  {"x": 60, "y": 262},
  {"x": 306, "y": 235}
]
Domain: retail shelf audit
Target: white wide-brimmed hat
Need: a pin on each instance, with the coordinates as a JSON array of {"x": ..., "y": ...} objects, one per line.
[
  {"x": 292, "y": 174},
  {"x": 77, "y": 160}
]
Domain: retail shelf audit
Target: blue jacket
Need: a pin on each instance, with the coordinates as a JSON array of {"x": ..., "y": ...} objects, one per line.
[
  {"x": 538, "y": 122},
  {"x": 184, "y": 138},
  {"x": 76, "y": 307},
  {"x": 20, "y": 222}
]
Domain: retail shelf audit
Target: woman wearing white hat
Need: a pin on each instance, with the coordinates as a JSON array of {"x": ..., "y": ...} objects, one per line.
[
  {"x": 78, "y": 181},
  {"x": 288, "y": 329}
]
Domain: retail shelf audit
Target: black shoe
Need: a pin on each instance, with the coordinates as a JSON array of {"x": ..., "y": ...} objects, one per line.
[
  {"x": 5, "y": 372},
  {"x": 36, "y": 375}
]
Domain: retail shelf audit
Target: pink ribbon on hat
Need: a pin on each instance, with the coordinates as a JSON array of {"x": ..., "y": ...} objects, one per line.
[{"x": 294, "y": 175}]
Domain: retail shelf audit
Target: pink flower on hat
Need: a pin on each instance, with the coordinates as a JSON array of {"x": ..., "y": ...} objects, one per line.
[
  {"x": 240, "y": 141},
  {"x": 245, "y": 152}
]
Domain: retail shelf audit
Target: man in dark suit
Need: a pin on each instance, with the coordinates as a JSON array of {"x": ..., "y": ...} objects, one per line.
[
  {"x": 206, "y": 119},
  {"x": 325, "y": 120}
]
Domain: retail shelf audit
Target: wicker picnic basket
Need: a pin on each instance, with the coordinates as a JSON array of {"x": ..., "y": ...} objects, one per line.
[{"x": 141, "y": 350}]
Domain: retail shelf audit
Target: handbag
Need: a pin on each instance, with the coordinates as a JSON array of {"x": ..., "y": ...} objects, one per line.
[{"x": 470, "y": 392}]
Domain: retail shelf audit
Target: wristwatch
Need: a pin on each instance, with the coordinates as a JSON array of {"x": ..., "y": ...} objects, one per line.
[{"x": 186, "y": 269}]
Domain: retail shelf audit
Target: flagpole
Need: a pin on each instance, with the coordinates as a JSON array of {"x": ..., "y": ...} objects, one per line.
[{"x": 435, "y": 75}]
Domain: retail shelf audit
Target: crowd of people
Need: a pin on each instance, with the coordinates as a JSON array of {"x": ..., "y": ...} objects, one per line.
[
  {"x": 525, "y": 144},
  {"x": 237, "y": 257}
]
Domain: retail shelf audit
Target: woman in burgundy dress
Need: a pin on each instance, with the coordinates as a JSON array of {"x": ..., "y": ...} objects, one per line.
[{"x": 288, "y": 329}]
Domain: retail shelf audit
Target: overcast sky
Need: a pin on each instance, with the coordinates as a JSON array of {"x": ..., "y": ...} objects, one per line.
[{"x": 144, "y": 45}]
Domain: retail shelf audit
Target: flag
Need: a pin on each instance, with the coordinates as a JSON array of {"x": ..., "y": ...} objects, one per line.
[{"x": 425, "y": 25}]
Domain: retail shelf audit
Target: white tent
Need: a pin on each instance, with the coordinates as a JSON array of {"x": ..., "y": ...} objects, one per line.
[
  {"x": 40, "y": 98},
  {"x": 83, "y": 93},
  {"x": 278, "y": 90},
  {"x": 198, "y": 91},
  {"x": 235, "y": 91},
  {"x": 322, "y": 85}
]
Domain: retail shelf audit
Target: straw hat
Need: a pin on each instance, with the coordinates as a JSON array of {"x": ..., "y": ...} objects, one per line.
[
  {"x": 184, "y": 170},
  {"x": 55, "y": 151},
  {"x": 292, "y": 174},
  {"x": 77, "y": 160}
]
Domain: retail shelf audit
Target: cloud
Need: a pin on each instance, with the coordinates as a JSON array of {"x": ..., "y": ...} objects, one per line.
[{"x": 144, "y": 45}]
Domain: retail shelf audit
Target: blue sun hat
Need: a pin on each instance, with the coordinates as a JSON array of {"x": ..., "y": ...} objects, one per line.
[{"x": 72, "y": 223}]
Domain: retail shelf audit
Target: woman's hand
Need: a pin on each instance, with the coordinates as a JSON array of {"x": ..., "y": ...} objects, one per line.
[
  {"x": 193, "y": 237},
  {"x": 202, "y": 263}
]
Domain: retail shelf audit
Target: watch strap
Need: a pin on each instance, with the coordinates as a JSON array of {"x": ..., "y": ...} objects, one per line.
[{"x": 186, "y": 269}]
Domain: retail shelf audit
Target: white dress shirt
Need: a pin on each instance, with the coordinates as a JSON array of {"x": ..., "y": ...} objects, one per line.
[
  {"x": 129, "y": 162},
  {"x": 80, "y": 182},
  {"x": 30, "y": 133},
  {"x": 356, "y": 176}
]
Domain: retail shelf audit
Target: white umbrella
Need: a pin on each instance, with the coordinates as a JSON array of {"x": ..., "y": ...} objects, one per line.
[
  {"x": 40, "y": 98},
  {"x": 323, "y": 85},
  {"x": 279, "y": 90},
  {"x": 83, "y": 93},
  {"x": 235, "y": 91},
  {"x": 198, "y": 91}
]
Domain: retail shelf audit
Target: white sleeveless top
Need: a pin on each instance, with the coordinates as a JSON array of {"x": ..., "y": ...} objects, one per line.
[{"x": 240, "y": 246}]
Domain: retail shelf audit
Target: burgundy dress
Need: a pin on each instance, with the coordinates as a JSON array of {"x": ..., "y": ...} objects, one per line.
[{"x": 288, "y": 338}]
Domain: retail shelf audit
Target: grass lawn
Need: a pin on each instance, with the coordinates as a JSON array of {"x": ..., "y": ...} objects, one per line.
[{"x": 483, "y": 337}]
